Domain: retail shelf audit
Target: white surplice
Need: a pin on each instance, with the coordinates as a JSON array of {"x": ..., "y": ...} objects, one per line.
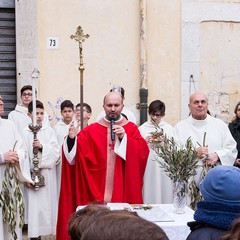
[
  {"x": 42, "y": 204},
  {"x": 8, "y": 138},
  {"x": 61, "y": 131},
  {"x": 158, "y": 187},
  {"x": 21, "y": 120},
  {"x": 218, "y": 138}
]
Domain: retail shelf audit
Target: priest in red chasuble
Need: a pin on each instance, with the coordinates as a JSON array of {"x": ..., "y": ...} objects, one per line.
[{"x": 104, "y": 162}]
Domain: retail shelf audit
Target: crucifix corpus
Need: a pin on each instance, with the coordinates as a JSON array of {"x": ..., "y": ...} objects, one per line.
[{"x": 80, "y": 37}]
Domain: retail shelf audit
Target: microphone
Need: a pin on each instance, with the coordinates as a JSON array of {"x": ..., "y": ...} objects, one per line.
[{"x": 112, "y": 122}]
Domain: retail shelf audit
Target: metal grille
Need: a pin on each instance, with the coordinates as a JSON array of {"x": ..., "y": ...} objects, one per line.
[{"x": 8, "y": 59}]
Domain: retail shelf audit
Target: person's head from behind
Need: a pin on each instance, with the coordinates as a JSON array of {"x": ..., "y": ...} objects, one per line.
[
  {"x": 221, "y": 185},
  {"x": 198, "y": 105},
  {"x": 87, "y": 112},
  {"x": 156, "y": 111},
  {"x": 113, "y": 105},
  {"x": 39, "y": 111},
  {"x": 234, "y": 233},
  {"x": 100, "y": 223},
  {"x": 67, "y": 111},
  {"x": 118, "y": 89},
  {"x": 26, "y": 95}
]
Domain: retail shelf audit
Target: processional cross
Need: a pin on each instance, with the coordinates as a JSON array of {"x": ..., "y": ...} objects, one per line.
[{"x": 80, "y": 37}]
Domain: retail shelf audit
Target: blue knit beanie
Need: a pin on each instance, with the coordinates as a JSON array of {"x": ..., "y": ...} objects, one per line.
[{"x": 221, "y": 184}]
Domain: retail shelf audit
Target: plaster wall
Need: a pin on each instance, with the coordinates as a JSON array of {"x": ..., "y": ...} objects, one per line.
[
  {"x": 210, "y": 42},
  {"x": 111, "y": 54},
  {"x": 191, "y": 45}
]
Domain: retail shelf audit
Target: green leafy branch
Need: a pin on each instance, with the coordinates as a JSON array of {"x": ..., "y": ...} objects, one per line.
[
  {"x": 11, "y": 199},
  {"x": 179, "y": 162}
]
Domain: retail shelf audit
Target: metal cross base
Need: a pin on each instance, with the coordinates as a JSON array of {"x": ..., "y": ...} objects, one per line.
[{"x": 37, "y": 177}]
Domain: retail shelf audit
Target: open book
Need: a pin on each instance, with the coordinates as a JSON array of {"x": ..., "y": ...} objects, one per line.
[{"x": 152, "y": 213}]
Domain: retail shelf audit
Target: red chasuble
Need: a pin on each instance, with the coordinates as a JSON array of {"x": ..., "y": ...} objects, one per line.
[{"x": 99, "y": 175}]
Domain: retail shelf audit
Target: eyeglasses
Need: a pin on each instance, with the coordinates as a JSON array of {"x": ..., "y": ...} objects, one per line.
[
  {"x": 27, "y": 94},
  {"x": 79, "y": 110},
  {"x": 156, "y": 114}
]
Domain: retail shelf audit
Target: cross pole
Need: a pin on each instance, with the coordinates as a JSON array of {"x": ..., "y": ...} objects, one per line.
[{"x": 80, "y": 37}]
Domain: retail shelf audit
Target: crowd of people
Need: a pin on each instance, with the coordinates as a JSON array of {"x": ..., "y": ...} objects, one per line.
[{"x": 110, "y": 160}]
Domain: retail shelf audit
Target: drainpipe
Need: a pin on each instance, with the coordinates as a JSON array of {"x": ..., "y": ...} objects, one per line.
[{"x": 143, "y": 93}]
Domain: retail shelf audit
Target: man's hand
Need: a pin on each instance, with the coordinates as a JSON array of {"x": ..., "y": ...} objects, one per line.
[
  {"x": 119, "y": 131},
  {"x": 237, "y": 163},
  {"x": 202, "y": 152},
  {"x": 153, "y": 139},
  {"x": 72, "y": 131},
  {"x": 29, "y": 185},
  {"x": 11, "y": 157},
  {"x": 212, "y": 159},
  {"x": 37, "y": 144}
]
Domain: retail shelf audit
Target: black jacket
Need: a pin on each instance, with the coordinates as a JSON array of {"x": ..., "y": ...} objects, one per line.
[{"x": 201, "y": 231}]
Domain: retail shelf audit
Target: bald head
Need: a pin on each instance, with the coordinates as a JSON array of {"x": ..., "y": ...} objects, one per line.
[
  {"x": 113, "y": 105},
  {"x": 198, "y": 105},
  {"x": 197, "y": 95},
  {"x": 112, "y": 95}
]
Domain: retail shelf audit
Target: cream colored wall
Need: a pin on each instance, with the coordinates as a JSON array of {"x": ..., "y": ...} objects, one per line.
[
  {"x": 164, "y": 54},
  {"x": 210, "y": 46},
  {"x": 111, "y": 54},
  {"x": 177, "y": 46}
]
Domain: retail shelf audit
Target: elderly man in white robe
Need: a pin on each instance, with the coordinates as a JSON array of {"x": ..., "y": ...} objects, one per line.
[
  {"x": 13, "y": 152},
  {"x": 158, "y": 187},
  {"x": 210, "y": 136}
]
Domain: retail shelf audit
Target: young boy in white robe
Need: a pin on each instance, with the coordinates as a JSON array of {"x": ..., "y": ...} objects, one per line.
[
  {"x": 61, "y": 130},
  {"x": 158, "y": 187},
  {"x": 62, "y": 127},
  {"x": 42, "y": 205}
]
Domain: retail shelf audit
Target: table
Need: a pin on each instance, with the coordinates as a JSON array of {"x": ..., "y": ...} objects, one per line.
[
  {"x": 174, "y": 225},
  {"x": 178, "y": 229}
]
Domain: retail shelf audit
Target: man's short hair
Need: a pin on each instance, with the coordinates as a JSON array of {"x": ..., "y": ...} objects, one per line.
[
  {"x": 66, "y": 103},
  {"x": 86, "y": 106},
  {"x": 24, "y": 88},
  {"x": 156, "y": 106},
  {"x": 122, "y": 91},
  {"x": 38, "y": 105},
  {"x": 99, "y": 222}
]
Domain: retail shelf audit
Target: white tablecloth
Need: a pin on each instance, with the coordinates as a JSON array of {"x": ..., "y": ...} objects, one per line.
[{"x": 178, "y": 229}]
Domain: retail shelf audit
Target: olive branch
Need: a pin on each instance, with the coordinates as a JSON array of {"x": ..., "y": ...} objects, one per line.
[
  {"x": 11, "y": 199},
  {"x": 178, "y": 162},
  {"x": 194, "y": 189}
]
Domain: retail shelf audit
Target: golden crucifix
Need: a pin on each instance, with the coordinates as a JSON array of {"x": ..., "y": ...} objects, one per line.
[{"x": 80, "y": 37}]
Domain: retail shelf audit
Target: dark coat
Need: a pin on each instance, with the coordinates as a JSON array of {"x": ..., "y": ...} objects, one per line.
[
  {"x": 200, "y": 231},
  {"x": 234, "y": 128}
]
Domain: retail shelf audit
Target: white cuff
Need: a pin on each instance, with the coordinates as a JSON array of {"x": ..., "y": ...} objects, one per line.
[{"x": 2, "y": 160}]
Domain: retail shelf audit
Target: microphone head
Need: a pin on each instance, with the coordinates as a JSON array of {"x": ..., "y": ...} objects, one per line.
[{"x": 112, "y": 119}]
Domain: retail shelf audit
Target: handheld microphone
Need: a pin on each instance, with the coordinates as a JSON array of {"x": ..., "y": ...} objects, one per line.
[{"x": 112, "y": 122}]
